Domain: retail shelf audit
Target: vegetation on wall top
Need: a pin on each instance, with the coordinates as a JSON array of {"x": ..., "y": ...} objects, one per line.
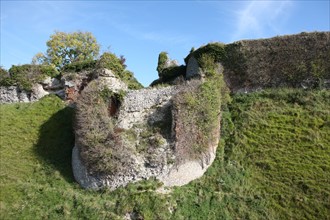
[
  {"x": 167, "y": 74},
  {"x": 286, "y": 61},
  {"x": 109, "y": 61},
  {"x": 162, "y": 59},
  {"x": 67, "y": 53},
  {"x": 25, "y": 76}
]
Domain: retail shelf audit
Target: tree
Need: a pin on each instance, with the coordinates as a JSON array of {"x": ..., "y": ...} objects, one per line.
[
  {"x": 39, "y": 59},
  {"x": 65, "y": 48}
]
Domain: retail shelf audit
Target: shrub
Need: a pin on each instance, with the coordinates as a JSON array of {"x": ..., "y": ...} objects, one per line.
[
  {"x": 112, "y": 62},
  {"x": 197, "y": 110},
  {"x": 5, "y": 79},
  {"x": 215, "y": 50},
  {"x": 208, "y": 64},
  {"x": 162, "y": 59},
  {"x": 109, "y": 61},
  {"x": 167, "y": 72},
  {"x": 117, "y": 65},
  {"x": 110, "y": 97},
  {"x": 3, "y": 72},
  {"x": 79, "y": 66},
  {"x": 319, "y": 72},
  {"x": 172, "y": 72},
  {"x": 26, "y": 75},
  {"x": 101, "y": 147},
  {"x": 131, "y": 81}
]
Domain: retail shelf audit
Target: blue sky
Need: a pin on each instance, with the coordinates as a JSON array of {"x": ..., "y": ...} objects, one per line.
[{"x": 140, "y": 30}]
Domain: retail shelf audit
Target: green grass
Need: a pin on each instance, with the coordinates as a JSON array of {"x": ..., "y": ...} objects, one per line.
[
  {"x": 283, "y": 139},
  {"x": 273, "y": 162},
  {"x": 36, "y": 178}
]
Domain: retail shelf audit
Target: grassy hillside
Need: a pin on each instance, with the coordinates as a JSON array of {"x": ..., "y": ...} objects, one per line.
[
  {"x": 273, "y": 163},
  {"x": 282, "y": 138}
]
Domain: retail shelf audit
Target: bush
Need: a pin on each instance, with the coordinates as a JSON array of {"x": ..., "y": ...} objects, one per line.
[
  {"x": 117, "y": 66},
  {"x": 5, "y": 79},
  {"x": 3, "y": 73},
  {"x": 215, "y": 50},
  {"x": 162, "y": 59},
  {"x": 167, "y": 72},
  {"x": 112, "y": 62},
  {"x": 208, "y": 64},
  {"x": 79, "y": 66},
  {"x": 172, "y": 72},
  {"x": 48, "y": 70},
  {"x": 197, "y": 109},
  {"x": 131, "y": 81},
  {"x": 26, "y": 75},
  {"x": 106, "y": 93},
  {"x": 101, "y": 147}
]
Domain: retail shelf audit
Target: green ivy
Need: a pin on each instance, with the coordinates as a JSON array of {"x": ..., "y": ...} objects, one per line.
[
  {"x": 215, "y": 50},
  {"x": 198, "y": 112}
]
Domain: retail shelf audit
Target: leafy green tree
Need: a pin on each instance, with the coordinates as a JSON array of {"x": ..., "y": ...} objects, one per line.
[
  {"x": 65, "y": 48},
  {"x": 39, "y": 59}
]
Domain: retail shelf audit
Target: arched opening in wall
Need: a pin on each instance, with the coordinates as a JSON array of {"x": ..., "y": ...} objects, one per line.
[{"x": 113, "y": 106}]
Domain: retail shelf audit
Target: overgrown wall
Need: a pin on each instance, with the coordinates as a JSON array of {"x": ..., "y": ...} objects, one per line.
[{"x": 300, "y": 60}]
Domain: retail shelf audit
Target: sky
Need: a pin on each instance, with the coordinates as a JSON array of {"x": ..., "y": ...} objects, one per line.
[{"x": 140, "y": 30}]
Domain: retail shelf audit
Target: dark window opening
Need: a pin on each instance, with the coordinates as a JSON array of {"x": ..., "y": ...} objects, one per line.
[{"x": 113, "y": 106}]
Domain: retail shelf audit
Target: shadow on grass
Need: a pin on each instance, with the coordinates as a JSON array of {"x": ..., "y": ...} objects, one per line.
[{"x": 55, "y": 143}]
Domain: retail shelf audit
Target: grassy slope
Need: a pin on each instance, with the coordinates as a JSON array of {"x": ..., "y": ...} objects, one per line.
[
  {"x": 283, "y": 139},
  {"x": 36, "y": 180},
  {"x": 276, "y": 166}
]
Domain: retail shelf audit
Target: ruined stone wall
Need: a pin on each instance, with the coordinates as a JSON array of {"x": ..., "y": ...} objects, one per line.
[{"x": 300, "y": 60}]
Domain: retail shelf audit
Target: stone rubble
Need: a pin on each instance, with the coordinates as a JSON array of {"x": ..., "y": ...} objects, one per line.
[
  {"x": 107, "y": 79},
  {"x": 67, "y": 88},
  {"x": 9, "y": 94}
]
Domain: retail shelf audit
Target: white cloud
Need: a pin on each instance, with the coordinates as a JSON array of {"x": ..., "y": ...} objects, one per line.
[{"x": 259, "y": 18}]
